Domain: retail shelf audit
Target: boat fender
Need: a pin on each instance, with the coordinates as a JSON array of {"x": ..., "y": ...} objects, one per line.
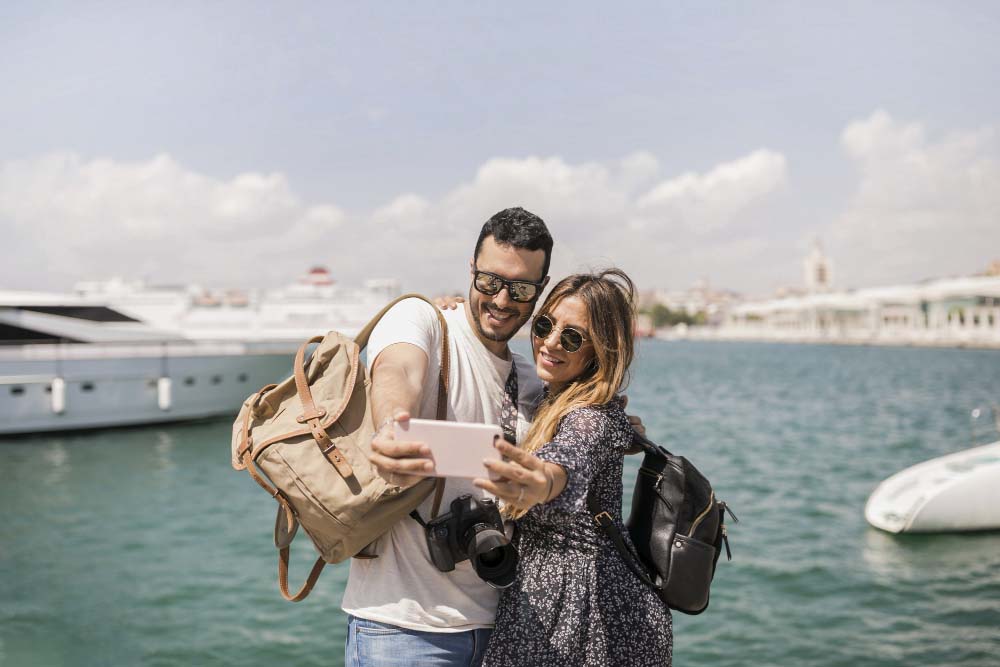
[
  {"x": 58, "y": 395},
  {"x": 163, "y": 393}
]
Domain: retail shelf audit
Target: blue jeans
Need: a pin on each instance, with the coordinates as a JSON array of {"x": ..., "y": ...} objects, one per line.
[{"x": 373, "y": 644}]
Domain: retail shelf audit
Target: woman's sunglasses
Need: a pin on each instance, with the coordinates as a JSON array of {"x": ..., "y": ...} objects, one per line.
[
  {"x": 570, "y": 339},
  {"x": 522, "y": 291}
]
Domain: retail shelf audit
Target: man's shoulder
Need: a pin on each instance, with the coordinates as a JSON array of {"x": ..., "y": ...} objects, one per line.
[
  {"x": 408, "y": 314},
  {"x": 528, "y": 384},
  {"x": 413, "y": 306},
  {"x": 410, "y": 321}
]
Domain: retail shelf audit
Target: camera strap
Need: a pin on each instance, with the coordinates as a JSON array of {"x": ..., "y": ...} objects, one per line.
[{"x": 508, "y": 406}]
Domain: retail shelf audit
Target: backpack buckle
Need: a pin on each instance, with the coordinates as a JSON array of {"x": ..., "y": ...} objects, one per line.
[{"x": 597, "y": 518}]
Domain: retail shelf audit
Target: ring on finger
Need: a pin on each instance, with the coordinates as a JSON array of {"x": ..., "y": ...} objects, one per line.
[{"x": 520, "y": 496}]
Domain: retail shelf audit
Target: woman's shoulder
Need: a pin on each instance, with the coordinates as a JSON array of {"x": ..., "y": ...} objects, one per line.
[{"x": 597, "y": 413}]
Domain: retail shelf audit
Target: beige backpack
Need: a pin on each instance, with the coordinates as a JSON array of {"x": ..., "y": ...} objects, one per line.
[{"x": 306, "y": 441}]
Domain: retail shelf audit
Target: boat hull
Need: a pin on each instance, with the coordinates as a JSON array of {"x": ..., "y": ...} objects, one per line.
[
  {"x": 41, "y": 395},
  {"x": 957, "y": 492}
]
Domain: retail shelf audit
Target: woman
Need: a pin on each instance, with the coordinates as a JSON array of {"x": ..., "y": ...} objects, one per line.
[{"x": 575, "y": 602}]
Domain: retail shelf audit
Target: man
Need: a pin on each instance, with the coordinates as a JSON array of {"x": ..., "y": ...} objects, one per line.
[{"x": 403, "y": 610}]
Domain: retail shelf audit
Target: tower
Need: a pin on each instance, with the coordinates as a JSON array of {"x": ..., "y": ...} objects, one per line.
[{"x": 818, "y": 270}]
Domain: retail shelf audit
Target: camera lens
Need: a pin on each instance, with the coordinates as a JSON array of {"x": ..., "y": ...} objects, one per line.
[{"x": 491, "y": 555}]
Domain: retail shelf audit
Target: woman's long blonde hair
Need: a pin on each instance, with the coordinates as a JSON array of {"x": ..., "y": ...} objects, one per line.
[{"x": 609, "y": 297}]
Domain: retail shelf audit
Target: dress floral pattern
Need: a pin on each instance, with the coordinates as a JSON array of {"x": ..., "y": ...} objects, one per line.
[{"x": 575, "y": 602}]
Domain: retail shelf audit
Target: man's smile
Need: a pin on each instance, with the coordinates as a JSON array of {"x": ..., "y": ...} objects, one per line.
[{"x": 500, "y": 316}]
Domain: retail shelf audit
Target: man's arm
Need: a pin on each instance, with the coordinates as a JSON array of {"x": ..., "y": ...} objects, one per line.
[
  {"x": 640, "y": 429},
  {"x": 397, "y": 387}
]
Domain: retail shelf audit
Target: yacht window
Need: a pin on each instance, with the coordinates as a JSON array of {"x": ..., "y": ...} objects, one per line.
[
  {"x": 216, "y": 379},
  {"x": 87, "y": 386},
  {"x": 17, "y": 390},
  {"x": 48, "y": 389},
  {"x": 189, "y": 381},
  {"x": 242, "y": 377},
  {"x": 91, "y": 313}
]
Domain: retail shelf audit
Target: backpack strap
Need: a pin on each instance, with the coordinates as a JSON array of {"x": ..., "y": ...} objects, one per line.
[
  {"x": 362, "y": 340},
  {"x": 443, "y": 372},
  {"x": 286, "y": 512},
  {"x": 312, "y": 417},
  {"x": 607, "y": 524}
]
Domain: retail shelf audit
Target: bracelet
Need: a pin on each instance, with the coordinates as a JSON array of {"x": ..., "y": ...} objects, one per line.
[
  {"x": 551, "y": 479},
  {"x": 385, "y": 422}
]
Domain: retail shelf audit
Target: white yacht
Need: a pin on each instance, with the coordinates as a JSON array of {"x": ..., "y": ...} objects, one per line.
[
  {"x": 956, "y": 492},
  {"x": 120, "y": 353}
]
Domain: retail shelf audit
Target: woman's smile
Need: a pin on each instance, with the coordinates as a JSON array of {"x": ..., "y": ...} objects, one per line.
[{"x": 553, "y": 363}]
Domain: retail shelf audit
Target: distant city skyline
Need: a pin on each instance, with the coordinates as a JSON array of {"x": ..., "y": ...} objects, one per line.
[{"x": 240, "y": 144}]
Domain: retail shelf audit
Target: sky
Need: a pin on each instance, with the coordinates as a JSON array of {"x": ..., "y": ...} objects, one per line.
[{"x": 240, "y": 143}]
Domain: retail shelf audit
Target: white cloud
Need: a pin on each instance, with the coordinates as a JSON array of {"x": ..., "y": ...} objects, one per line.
[
  {"x": 73, "y": 219},
  {"x": 409, "y": 211},
  {"x": 923, "y": 206},
  {"x": 638, "y": 169},
  {"x": 710, "y": 201}
]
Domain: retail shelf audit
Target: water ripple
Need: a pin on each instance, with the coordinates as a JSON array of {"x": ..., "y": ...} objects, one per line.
[{"x": 142, "y": 546}]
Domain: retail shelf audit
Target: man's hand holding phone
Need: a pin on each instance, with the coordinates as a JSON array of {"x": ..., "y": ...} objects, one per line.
[{"x": 401, "y": 463}]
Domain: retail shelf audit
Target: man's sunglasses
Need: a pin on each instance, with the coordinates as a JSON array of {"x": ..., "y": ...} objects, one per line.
[
  {"x": 522, "y": 291},
  {"x": 570, "y": 339}
]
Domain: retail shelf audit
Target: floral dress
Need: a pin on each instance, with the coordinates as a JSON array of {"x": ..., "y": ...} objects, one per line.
[{"x": 575, "y": 602}]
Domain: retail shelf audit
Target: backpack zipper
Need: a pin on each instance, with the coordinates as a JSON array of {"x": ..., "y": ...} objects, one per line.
[
  {"x": 701, "y": 517},
  {"x": 656, "y": 485},
  {"x": 652, "y": 473}
]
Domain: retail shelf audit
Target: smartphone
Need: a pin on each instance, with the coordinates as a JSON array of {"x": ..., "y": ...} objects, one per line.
[{"x": 457, "y": 448}]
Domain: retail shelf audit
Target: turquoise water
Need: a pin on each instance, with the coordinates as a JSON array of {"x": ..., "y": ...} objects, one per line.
[{"x": 143, "y": 547}]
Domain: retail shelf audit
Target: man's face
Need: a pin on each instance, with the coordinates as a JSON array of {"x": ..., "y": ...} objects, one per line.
[{"x": 497, "y": 318}]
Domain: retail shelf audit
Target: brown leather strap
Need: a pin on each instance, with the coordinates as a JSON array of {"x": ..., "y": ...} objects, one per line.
[
  {"x": 312, "y": 416},
  {"x": 362, "y": 340},
  {"x": 443, "y": 372},
  {"x": 255, "y": 403},
  {"x": 273, "y": 492},
  {"x": 283, "y": 552},
  {"x": 246, "y": 442},
  {"x": 309, "y": 410},
  {"x": 317, "y": 568}
]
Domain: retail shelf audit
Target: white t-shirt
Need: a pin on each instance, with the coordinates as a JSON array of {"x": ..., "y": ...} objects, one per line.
[{"x": 402, "y": 586}]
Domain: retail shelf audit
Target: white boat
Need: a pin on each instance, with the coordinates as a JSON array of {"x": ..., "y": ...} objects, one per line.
[
  {"x": 956, "y": 492},
  {"x": 116, "y": 353}
]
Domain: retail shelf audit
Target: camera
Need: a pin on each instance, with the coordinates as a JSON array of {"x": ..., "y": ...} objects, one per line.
[{"x": 473, "y": 530}]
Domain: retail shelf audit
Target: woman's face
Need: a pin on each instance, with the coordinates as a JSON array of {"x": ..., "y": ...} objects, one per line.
[{"x": 553, "y": 363}]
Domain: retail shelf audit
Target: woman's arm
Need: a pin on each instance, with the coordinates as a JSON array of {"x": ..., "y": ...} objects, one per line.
[{"x": 526, "y": 480}]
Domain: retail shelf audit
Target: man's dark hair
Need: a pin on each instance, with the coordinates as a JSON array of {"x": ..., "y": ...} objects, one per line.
[{"x": 521, "y": 229}]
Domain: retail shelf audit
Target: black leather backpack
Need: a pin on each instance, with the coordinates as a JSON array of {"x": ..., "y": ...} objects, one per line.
[{"x": 677, "y": 527}]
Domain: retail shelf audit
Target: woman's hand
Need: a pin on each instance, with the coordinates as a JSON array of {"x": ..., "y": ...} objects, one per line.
[
  {"x": 640, "y": 429},
  {"x": 447, "y": 302},
  {"x": 525, "y": 480}
]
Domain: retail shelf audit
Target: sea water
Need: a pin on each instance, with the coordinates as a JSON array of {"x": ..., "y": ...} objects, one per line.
[{"x": 143, "y": 547}]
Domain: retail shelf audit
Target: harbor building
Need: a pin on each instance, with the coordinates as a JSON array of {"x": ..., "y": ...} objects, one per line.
[{"x": 959, "y": 311}]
